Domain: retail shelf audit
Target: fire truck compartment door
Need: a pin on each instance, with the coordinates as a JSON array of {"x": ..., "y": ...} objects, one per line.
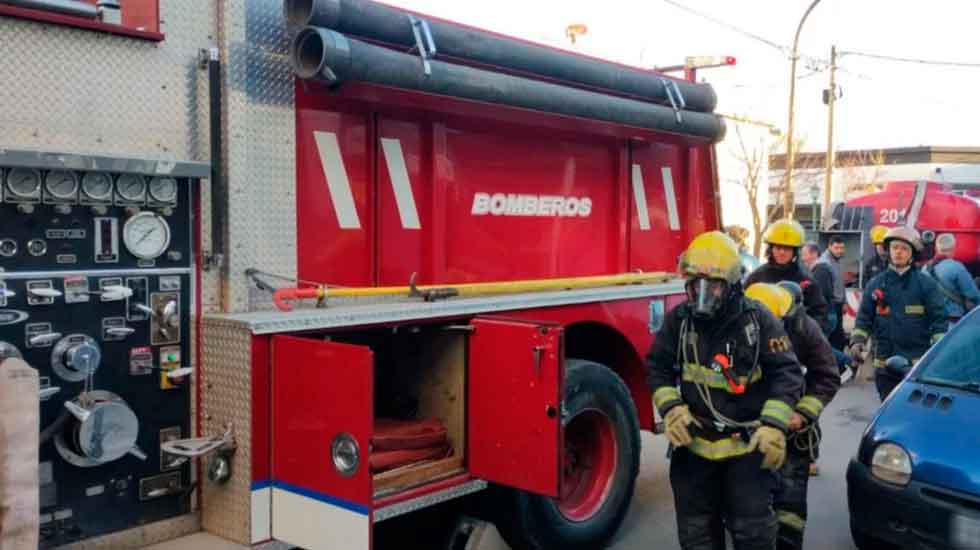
[
  {"x": 322, "y": 418},
  {"x": 515, "y": 392}
]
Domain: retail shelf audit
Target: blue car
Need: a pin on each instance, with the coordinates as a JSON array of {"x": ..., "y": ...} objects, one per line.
[{"x": 915, "y": 482}]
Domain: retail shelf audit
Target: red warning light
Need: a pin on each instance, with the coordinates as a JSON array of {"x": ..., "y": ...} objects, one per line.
[{"x": 729, "y": 60}]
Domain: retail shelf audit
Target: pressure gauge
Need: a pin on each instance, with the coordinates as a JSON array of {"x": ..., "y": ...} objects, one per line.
[
  {"x": 8, "y": 248},
  {"x": 146, "y": 235},
  {"x": 24, "y": 183},
  {"x": 37, "y": 247},
  {"x": 61, "y": 184},
  {"x": 163, "y": 189},
  {"x": 97, "y": 186},
  {"x": 131, "y": 188}
]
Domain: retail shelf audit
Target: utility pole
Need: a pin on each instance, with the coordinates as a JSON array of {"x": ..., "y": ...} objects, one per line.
[
  {"x": 789, "y": 204},
  {"x": 830, "y": 99}
]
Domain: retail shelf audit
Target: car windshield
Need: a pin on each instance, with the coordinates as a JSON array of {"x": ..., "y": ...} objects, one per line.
[{"x": 956, "y": 359}]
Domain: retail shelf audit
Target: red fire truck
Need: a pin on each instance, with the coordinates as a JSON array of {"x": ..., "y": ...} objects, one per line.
[
  {"x": 406, "y": 219},
  {"x": 929, "y": 206}
]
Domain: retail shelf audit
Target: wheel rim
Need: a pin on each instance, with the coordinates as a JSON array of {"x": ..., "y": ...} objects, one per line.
[{"x": 590, "y": 461}]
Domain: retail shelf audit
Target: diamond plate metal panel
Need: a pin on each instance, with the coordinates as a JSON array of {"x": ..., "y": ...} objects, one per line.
[
  {"x": 226, "y": 375},
  {"x": 91, "y": 92},
  {"x": 142, "y": 536},
  {"x": 260, "y": 149}
]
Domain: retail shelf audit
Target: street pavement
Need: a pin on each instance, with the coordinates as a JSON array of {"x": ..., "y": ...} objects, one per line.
[{"x": 650, "y": 522}]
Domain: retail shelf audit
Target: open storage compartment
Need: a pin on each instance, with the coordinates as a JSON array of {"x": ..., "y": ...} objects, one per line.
[
  {"x": 419, "y": 408},
  {"x": 494, "y": 385}
]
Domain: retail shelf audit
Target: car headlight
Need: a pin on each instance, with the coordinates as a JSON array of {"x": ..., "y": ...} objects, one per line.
[{"x": 892, "y": 464}]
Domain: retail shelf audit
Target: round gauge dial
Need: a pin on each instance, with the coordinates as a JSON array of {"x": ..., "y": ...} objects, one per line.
[
  {"x": 163, "y": 189},
  {"x": 131, "y": 187},
  {"x": 61, "y": 184},
  {"x": 97, "y": 186},
  {"x": 24, "y": 183},
  {"x": 146, "y": 235},
  {"x": 37, "y": 247},
  {"x": 8, "y": 248}
]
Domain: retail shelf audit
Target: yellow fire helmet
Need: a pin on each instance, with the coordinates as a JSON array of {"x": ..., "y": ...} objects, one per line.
[
  {"x": 713, "y": 255},
  {"x": 878, "y": 234},
  {"x": 777, "y": 299},
  {"x": 784, "y": 233}
]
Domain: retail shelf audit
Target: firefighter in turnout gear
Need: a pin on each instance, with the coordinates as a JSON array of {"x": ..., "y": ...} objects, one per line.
[
  {"x": 784, "y": 239},
  {"x": 879, "y": 261},
  {"x": 725, "y": 380},
  {"x": 901, "y": 308},
  {"x": 821, "y": 383}
]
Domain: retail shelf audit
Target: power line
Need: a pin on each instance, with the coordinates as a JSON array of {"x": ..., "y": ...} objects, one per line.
[
  {"x": 728, "y": 26},
  {"x": 784, "y": 49},
  {"x": 908, "y": 59}
]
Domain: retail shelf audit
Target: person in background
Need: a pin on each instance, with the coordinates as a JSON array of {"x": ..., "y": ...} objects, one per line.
[
  {"x": 823, "y": 278},
  {"x": 879, "y": 261},
  {"x": 960, "y": 292},
  {"x": 821, "y": 383},
  {"x": 831, "y": 258},
  {"x": 784, "y": 239},
  {"x": 902, "y": 308}
]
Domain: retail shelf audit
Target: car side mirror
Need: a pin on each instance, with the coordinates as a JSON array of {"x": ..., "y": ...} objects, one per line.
[{"x": 898, "y": 366}]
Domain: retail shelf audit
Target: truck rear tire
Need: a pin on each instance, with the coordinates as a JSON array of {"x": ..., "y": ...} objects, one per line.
[{"x": 601, "y": 462}]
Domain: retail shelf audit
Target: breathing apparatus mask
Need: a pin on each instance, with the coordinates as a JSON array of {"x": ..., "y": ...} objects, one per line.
[{"x": 706, "y": 296}]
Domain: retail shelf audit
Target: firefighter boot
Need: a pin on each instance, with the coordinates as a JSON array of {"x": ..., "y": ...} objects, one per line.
[{"x": 790, "y": 501}]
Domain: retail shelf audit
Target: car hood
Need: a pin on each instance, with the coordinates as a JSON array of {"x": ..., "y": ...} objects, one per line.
[{"x": 940, "y": 429}]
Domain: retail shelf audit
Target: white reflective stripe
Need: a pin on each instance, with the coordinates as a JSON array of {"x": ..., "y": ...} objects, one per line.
[
  {"x": 302, "y": 521},
  {"x": 673, "y": 219},
  {"x": 337, "y": 181},
  {"x": 640, "y": 196},
  {"x": 398, "y": 174},
  {"x": 261, "y": 515}
]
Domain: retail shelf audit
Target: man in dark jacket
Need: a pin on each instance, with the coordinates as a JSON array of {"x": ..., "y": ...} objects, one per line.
[
  {"x": 821, "y": 384},
  {"x": 784, "y": 239},
  {"x": 835, "y": 311},
  {"x": 902, "y": 308},
  {"x": 725, "y": 381},
  {"x": 821, "y": 275}
]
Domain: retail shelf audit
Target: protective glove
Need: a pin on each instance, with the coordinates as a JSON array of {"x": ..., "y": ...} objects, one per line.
[
  {"x": 771, "y": 442},
  {"x": 677, "y": 421},
  {"x": 856, "y": 352}
]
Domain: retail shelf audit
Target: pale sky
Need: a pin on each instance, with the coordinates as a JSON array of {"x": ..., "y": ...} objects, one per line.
[{"x": 884, "y": 104}]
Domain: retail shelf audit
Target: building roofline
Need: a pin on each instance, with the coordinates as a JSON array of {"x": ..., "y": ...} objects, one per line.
[{"x": 922, "y": 154}]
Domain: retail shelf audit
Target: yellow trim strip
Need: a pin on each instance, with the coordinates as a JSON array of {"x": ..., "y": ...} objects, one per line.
[
  {"x": 720, "y": 449},
  {"x": 791, "y": 520},
  {"x": 664, "y": 395},
  {"x": 859, "y": 332},
  {"x": 811, "y": 406},
  {"x": 777, "y": 412},
  {"x": 699, "y": 374}
]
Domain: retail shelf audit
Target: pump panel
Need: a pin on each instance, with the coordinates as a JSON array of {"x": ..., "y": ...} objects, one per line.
[{"x": 96, "y": 292}]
